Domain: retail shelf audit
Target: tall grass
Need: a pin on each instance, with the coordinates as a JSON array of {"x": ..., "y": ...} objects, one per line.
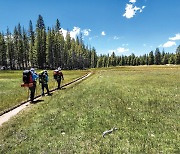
[
  {"x": 12, "y": 94},
  {"x": 142, "y": 102}
]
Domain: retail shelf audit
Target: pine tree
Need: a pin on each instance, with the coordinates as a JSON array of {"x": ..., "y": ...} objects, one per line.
[
  {"x": 25, "y": 48},
  {"x": 10, "y": 50},
  {"x": 133, "y": 60},
  {"x": 57, "y": 27},
  {"x": 113, "y": 59},
  {"x": 16, "y": 49},
  {"x": 171, "y": 59},
  {"x": 41, "y": 42},
  {"x": 32, "y": 51},
  {"x": 93, "y": 58},
  {"x": 162, "y": 56},
  {"x": 177, "y": 56},
  {"x": 50, "y": 54},
  {"x": 3, "y": 53},
  {"x": 165, "y": 59},
  {"x": 99, "y": 62},
  {"x": 151, "y": 58},
  {"x": 157, "y": 58},
  {"x": 122, "y": 63}
]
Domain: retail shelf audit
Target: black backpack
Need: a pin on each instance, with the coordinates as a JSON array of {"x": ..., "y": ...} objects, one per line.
[
  {"x": 26, "y": 76},
  {"x": 42, "y": 77}
]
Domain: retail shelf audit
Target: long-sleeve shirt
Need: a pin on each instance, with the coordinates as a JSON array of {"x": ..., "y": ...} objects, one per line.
[{"x": 34, "y": 76}]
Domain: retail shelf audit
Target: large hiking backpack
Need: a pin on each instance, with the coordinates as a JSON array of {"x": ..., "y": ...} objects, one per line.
[
  {"x": 55, "y": 74},
  {"x": 42, "y": 77},
  {"x": 27, "y": 76},
  {"x": 27, "y": 79}
]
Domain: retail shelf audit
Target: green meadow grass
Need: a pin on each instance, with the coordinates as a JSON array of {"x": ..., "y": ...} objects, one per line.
[
  {"x": 11, "y": 92},
  {"x": 142, "y": 102}
]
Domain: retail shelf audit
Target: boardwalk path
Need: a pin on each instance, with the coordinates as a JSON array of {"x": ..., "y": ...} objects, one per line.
[{"x": 15, "y": 110}]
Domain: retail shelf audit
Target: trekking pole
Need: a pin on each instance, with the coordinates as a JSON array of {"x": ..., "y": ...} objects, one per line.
[
  {"x": 61, "y": 82},
  {"x": 36, "y": 90},
  {"x": 54, "y": 84},
  {"x": 28, "y": 94}
]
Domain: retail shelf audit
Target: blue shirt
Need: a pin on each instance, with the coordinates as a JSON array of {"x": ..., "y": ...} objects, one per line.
[{"x": 34, "y": 76}]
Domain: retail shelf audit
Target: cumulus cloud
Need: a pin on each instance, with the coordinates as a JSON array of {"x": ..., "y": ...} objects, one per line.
[
  {"x": 64, "y": 32},
  {"x": 86, "y": 32},
  {"x": 169, "y": 44},
  {"x": 132, "y": 1},
  {"x": 131, "y": 9},
  {"x": 119, "y": 50},
  {"x": 103, "y": 33},
  {"x": 75, "y": 32},
  {"x": 177, "y": 37}
]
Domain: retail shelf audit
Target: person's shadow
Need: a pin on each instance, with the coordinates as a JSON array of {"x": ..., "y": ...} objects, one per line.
[{"x": 37, "y": 101}]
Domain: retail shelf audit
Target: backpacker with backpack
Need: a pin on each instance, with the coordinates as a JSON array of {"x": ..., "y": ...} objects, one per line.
[
  {"x": 42, "y": 77},
  {"x": 27, "y": 79},
  {"x": 55, "y": 74}
]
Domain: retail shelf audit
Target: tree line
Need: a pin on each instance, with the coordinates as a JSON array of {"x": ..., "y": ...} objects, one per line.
[
  {"x": 153, "y": 58},
  {"x": 46, "y": 48}
]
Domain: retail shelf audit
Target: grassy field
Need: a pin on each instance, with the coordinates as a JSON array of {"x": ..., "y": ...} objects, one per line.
[
  {"x": 11, "y": 92},
  {"x": 142, "y": 102}
]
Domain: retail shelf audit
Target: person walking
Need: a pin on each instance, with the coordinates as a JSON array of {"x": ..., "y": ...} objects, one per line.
[
  {"x": 58, "y": 76},
  {"x": 33, "y": 79},
  {"x": 43, "y": 80}
]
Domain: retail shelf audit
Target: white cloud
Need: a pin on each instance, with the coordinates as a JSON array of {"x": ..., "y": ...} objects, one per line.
[
  {"x": 103, "y": 33},
  {"x": 177, "y": 37},
  {"x": 132, "y": 1},
  {"x": 75, "y": 32},
  {"x": 169, "y": 44},
  {"x": 64, "y": 32},
  {"x": 118, "y": 50},
  {"x": 131, "y": 10},
  {"x": 121, "y": 50},
  {"x": 86, "y": 32}
]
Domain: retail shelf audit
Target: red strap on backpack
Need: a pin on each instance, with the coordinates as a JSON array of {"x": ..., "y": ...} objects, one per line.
[{"x": 30, "y": 79}]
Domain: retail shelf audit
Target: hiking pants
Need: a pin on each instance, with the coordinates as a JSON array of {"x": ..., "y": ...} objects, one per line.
[
  {"x": 44, "y": 86},
  {"x": 59, "y": 84},
  {"x": 32, "y": 90}
]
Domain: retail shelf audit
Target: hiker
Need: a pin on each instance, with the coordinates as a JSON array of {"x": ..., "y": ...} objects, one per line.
[
  {"x": 58, "y": 75},
  {"x": 43, "y": 79},
  {"x": 33, "y": 79}
]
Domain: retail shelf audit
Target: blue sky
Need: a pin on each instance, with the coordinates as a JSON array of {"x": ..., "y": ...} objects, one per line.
[{"x": 122, "y": 26}]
